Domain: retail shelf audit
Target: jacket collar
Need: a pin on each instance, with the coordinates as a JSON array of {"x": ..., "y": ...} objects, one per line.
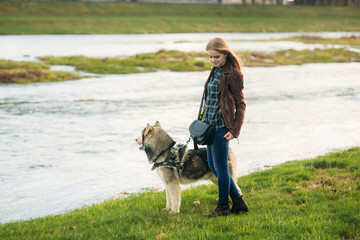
[{"x": 227, "y": 69}]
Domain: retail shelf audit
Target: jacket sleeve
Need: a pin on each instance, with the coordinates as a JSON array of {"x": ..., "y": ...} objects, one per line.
[{"x": 236, "y": 87}]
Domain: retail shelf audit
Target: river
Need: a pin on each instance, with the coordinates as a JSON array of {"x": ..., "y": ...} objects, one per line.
[{"x": 68, "y": 144}]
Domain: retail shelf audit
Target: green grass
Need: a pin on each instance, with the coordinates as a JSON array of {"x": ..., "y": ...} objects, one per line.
[
  {"x": 81, "y": 17},
  {"x": 30, "y": 72},
  {"x": 309, "y": 199}
]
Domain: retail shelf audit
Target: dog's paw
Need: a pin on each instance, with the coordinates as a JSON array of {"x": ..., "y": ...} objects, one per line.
[
  {"x": 175, "y": 211},
  {"x": 166, "y": 209}
]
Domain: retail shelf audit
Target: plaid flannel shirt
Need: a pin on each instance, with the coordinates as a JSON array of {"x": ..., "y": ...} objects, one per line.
[{"x": 212, "y": 114}]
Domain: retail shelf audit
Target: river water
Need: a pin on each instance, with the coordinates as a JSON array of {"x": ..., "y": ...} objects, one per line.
[{"x": 68, "y": 144}]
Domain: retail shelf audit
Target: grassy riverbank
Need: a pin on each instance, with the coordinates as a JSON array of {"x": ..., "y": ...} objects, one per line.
[
  {"x": 30, "y": 72},
  {"x": 89, "y": 18},
  {"x": 308, "y": 199}
]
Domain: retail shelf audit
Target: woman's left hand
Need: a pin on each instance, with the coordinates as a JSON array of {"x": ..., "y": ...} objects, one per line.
[{"x": 228, "y": 136}]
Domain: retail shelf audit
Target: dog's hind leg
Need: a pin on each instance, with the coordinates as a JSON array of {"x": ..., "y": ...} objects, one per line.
[
  {"x": 237, "y": 186},
  {"x": 233, "y": 168},
  {"x": 213, "y": 179}
]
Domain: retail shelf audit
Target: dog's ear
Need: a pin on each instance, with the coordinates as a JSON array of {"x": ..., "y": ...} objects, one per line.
[
  {"x": 147, "y": 129},
  {"x": 157, "y": 124}
]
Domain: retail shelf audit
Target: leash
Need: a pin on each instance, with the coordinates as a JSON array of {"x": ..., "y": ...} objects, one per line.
[{"x": 187, "y": 142}]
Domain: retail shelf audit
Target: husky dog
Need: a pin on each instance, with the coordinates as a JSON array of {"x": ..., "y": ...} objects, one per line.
[{"x": 176, "y": 164}]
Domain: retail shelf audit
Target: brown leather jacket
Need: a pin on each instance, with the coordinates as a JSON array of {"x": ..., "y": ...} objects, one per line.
[{"x": 231, "y": 97}]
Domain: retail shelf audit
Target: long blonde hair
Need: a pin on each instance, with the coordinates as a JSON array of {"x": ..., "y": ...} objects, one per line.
[{"x": 222, "y": 46}]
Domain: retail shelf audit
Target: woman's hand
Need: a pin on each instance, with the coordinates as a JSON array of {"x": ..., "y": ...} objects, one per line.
[{"x": 228, "y": 136}]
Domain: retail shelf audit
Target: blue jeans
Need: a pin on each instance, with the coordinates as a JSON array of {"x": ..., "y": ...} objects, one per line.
[{"x": 217, "y": 154}]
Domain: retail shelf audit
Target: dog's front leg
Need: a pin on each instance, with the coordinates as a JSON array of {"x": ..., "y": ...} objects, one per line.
[
  {"x": 175, "y": 195},
  {"x": 163, "y": 173},
  {"x": 168, "y": 198}
]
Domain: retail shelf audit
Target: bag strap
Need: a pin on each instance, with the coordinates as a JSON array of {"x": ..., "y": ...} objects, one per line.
[
  {"x": 200, "y": 117},
  {"x": 195, "y": 144},
  {"x": 201, "y": 111}
]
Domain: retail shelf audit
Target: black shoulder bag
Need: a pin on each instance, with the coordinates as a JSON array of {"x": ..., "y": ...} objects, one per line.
[{"x": 201, "y": 132}]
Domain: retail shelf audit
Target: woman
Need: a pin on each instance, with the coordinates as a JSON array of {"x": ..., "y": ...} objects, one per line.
[{"x": 224, "y": 108}]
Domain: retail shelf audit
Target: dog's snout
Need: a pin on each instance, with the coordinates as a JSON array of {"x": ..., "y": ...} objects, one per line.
[{"x": 138, "y": 140}]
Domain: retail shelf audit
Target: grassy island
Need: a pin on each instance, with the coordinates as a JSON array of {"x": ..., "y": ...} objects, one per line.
[
  {"x": 145, "y": 62},
  {"x": 198, "y": 61},
  {"x": 29, "y": 72},
  {"x": 352, "y": 41},
  {"x": 309, "y": 199}
]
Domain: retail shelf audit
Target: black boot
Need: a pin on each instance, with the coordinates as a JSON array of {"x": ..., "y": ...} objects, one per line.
[
  {"x": 220, "y": 210},
  {"x": 239, "y": 206}
]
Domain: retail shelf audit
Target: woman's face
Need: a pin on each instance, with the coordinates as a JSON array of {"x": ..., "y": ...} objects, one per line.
[{"x": 217, "y": 58}]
